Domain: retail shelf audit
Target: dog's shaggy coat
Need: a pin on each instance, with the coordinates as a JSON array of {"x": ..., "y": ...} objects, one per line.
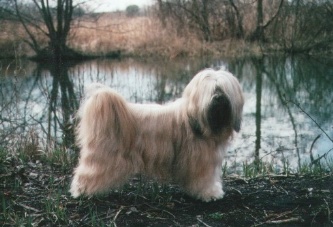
[{"x": 183, "y": 141}]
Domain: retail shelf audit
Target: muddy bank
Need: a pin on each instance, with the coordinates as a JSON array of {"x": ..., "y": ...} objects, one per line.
[{"x": 37, "y": 194}]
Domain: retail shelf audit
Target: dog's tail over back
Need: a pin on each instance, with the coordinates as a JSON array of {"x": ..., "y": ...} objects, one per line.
[
  {"x": 105, "y": 134},
  {"x": 104, "y": 116}
]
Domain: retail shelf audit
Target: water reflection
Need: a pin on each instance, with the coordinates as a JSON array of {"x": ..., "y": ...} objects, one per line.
[
  {"x": 274, "y": 128},
  {"x": 259, "y": 67},
  {"x": 62, "y": 103},
  {"x": 43, "y": 100}
]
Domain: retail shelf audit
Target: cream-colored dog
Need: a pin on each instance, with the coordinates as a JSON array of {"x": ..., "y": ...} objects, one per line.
[{"x": 183, "y": 141}]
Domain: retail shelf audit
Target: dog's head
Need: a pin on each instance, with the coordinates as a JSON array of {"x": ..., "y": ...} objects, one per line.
[{"x": 214, "y": 102}]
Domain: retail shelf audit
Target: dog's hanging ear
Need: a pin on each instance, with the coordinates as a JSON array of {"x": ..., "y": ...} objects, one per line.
[
  {"x": 219, "y": 113},
  {"x": 237, "y": 123},
  {"x": 195, "y": 125}
]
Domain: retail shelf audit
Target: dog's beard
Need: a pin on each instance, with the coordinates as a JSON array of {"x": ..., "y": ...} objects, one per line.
[{"x": 183, "y": 141}]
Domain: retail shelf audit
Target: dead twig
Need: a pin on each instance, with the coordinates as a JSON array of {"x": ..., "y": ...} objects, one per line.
[
  {"x": 328, "y": 211},
  {"x": 284, "y": 221},
  {"x": 165, "y": 211},
  {"x": 315, "y": 161},
  {"x": 321, "y": 129},
  {"x": 117, "y": 214},
  {"x": 286, "y": 213},
  {"x": 311, "y": 155},
  {"x": 202, "y": 222},
  {"x": 273, "y": 220},
  {"x": 27, "y": 207}
]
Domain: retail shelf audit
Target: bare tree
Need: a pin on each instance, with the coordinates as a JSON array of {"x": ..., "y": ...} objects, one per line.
[
  {"x": 304, "y": 26},
  {"x": 240, "y": 30},
  {"x": 258, "y": 34},
  {"x": 193, "y": 14},
  {"x": 53, "y": 20}
]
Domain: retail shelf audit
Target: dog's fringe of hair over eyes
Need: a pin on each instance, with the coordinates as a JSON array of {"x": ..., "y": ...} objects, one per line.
[{"x": 183, "y": 141}]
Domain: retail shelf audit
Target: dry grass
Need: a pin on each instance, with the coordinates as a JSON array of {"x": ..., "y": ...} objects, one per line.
[
  {"x": 11, "y": 43},
  {"x": 134, "y": 36},
  {"x": 145, "y": 36},
  {"x": 107, "y": 33}
]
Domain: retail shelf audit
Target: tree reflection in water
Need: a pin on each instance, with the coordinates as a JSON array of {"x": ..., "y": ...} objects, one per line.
[{"x": 62, "y": 104}]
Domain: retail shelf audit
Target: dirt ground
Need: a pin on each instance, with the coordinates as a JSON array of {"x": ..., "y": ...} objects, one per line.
[{"x": 36, "y": 194}]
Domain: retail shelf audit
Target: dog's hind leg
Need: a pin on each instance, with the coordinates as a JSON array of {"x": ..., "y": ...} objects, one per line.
[
  {"x": 97, "y": 173},
  {"x": 105, "y": 134}
]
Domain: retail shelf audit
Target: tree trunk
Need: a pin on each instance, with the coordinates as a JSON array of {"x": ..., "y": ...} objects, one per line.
[
  {"x": 240, "y": 30},
  {"x": 57, "y": 23},
  {"x": 259, "y": 32},
  {"x": 205, "y": 21}
]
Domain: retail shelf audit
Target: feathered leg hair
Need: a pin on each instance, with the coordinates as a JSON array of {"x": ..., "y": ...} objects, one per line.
[{"x": 104, "y": 149}]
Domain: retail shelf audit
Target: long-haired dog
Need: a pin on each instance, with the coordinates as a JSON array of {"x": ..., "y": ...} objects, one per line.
[{"x": 183, "y": 141}]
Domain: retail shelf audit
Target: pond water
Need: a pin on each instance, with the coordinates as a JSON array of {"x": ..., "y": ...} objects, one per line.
[{"x": 288, "y": 101}]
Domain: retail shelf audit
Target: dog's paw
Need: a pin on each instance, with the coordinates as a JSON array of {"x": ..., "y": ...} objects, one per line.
[
  {"x": 214, "y": 197},
  {"x": 75, "y": 192},
  {"x": 75, "y": 189},
  {"x": 213, "y": 193}
]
